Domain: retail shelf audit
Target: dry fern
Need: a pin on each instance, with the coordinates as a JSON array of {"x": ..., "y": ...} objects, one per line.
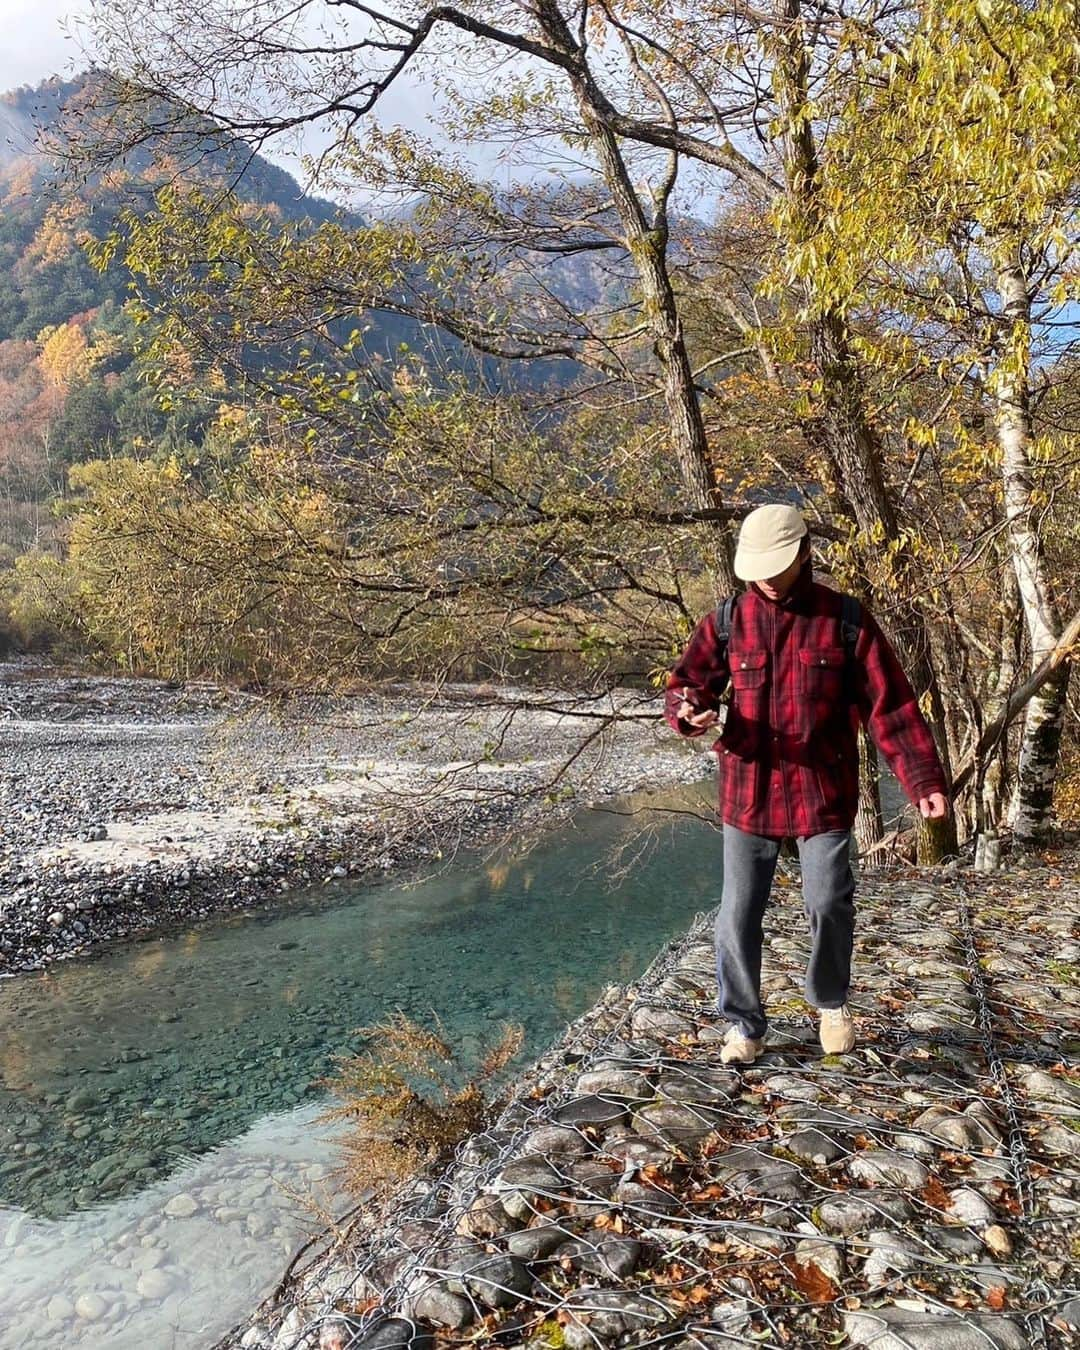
[{"x": 400, "y": 1097}]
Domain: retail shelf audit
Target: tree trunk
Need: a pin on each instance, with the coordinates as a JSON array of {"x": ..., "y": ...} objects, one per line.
[
  {"x": 843, "y": 429},
  {"x": 869, "y": 823},
  {"x": 1040, "y": 754},
  {"x": 1044, "y": 716},
  {"x": 991, "y": 778},
  {"x": 647, "y": 242}
]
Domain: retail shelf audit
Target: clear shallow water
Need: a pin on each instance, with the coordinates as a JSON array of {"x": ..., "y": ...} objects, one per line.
[{"x": 158, "y": 1103}]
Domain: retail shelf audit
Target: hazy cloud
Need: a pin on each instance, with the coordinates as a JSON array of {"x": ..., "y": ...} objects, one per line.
[{"x": 34, "y": 44}]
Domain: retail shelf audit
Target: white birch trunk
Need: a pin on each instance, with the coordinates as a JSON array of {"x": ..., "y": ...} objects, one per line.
[{"x": 1044, "y": 715}]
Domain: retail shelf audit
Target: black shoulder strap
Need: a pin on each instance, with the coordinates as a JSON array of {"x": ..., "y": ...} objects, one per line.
[
  {"x": 850, "y": 622},
  {"x": 850, "y": 619},
  {"x": 725, "y": 612}
]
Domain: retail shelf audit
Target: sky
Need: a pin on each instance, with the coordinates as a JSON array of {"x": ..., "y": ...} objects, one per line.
[
  {"x": 39, "y": 39},
  {"x": 34, "y": 45}
]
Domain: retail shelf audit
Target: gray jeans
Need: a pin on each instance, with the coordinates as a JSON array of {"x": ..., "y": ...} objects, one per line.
[{"x": 828, "y": 898}]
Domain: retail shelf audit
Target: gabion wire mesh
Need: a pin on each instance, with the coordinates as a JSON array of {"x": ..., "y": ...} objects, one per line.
[{"x": 920, "y": 1191}]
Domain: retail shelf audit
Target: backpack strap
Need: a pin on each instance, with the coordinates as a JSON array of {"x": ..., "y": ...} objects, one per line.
[
  {"x": 850, "y": 623},
  {"x": 725, "y": 612}
]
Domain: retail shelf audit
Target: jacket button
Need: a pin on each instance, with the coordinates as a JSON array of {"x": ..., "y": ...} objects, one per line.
[
  {"x": 822, "y": 660},
  {"x": 743, "y": 666}
]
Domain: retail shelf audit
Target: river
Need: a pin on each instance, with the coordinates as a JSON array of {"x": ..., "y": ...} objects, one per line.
[{"x": 159, "y": 1103}]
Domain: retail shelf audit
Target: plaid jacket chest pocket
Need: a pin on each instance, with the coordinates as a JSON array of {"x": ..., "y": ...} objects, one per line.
[
  {"x": 749, "y": 699},
  {"x": 821, "y": 683},
  {"x": 748, "y": 670}
]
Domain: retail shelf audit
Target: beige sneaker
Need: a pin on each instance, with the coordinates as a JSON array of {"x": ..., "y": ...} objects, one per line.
[
  {"x": 837, "y": 1031},
  {"x": 740, "y": 1049}
]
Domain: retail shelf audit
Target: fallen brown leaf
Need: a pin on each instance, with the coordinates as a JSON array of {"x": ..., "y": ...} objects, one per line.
[
  {"x": 811, "y": 1281},
  {"x": 934, "y": 1193}
]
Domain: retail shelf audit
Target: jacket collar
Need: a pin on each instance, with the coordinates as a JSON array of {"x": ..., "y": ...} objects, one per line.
[{"x": 798, "y": 598}]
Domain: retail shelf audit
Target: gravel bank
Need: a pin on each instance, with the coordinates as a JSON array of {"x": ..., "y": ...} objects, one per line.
[{"x": 128, "y": 806}]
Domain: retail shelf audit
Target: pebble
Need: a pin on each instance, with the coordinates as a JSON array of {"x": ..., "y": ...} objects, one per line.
[
  {"x": 889, "y": 1252},
  {"x": 858, "y": 1211},
  {"x": 154, "y": 1284},
  {"x": 607, "y": 1315},
  {"x": 495, "y": 1280},
  {"x": 997, "y": 1240},
  {"x": 556, "y": 1139},
  {"x": 827, "y": 1256},
  {"x": 181, "y": 1206},
  {"x": 533, "y": 1244},
  {"x": 961, "y": 1130},
  {"x": 59, "y": 1308},
  {"x": 444, "y": 1309},
  {"x": 813, "y": 1146},
  {"x": 881, "y": 1165},
  {"x": 675, "y": 1123},
  {"x": 91, "y": 1307},
  {"x": 968, "y": 1207},
  {"x": 616, "y": 1083},
  {"x": 613, "y": 1257},
  {"x": 590, "y": 1110},
  {"x": 392, "y": 1334},
  {"x": 891, "y": 1328}
]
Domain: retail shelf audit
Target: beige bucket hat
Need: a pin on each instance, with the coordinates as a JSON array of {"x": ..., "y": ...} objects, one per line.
[{"x": 768, "y": 542}]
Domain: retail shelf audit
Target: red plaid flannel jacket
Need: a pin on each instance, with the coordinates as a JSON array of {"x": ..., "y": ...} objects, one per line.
[{"x": 788, "y": 753}]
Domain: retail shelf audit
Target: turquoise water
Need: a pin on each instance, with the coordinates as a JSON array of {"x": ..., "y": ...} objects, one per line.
[{"x": 117, "y": 1071}]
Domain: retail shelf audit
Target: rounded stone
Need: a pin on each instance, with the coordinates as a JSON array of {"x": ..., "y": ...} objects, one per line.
[
  {"x": 59, "y": 1308},
  {"x": 92, "y": 1307},
  {"x": 675, "y": 1123},
  {"x": 623, "y": 1084},
  {"x": 610, "y": 1256},
  {"x": 556, "y": 1139},
  {"x": 444, "y": 1308},
  {"x": 891, "y": 1328},
  {"x": 590, "y": 1110},
  {"x": 181, "y": 1206},
  {"x": 856, "y": 1212},
  {"x": 533, "y": 1244},
  {"x": 813, "y": 1146},
  {"x": 154, "y": 1284},
  {"x": 881, "y": 1166},
  {"x": 968, "y": 1207}
]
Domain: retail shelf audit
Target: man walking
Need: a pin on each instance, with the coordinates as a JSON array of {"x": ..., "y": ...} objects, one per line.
[{"x": 805, "y": 665}]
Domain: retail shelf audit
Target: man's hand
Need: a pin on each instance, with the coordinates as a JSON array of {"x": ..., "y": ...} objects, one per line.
[
  {"x": 697, "y": 717},
  {"x": 934, "y": 807}
]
